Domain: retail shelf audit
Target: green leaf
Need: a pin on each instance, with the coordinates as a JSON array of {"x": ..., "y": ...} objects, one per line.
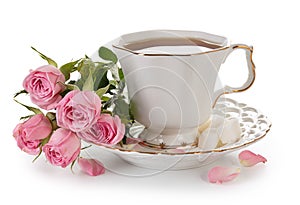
[
  {"x": 80, "y": 65},
  {"x": 113, "y": 82},
  {"x": 121, "y": 74},
  {"x": 107, "y": 54},
  {"x": 122, "y": 110},
  {"x": 32, "y": 109},
  {"x": 114, "y": 71},
  {"x": 92, "y": 74},
  {"x": 89, "y": 82},
  {"x": 49, "y": 60},
  {"x": 84, "y": 69},
  {"x": 103, "y": 82},
  {"x": 100, "y": 76},
  {"x": 101, "y": 91},
  {"x": 70, "y": 86},
  {"x": 105, "y": 98},
  {"x": 20, "y": 92},
  {"x": 68, "y": 68},
  {"x": 121, "y": 86}
]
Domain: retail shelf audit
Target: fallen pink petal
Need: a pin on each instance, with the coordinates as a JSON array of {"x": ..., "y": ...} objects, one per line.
[
  {"x": 220, "y": 174},
  {"x": 91, "y": 167},
  {"x": 249, "y": 159}
]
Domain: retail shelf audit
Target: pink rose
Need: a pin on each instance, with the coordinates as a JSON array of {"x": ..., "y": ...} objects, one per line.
[
  {"x": 78, "y": 110},
  {"x": 43, "y": 87},
  {"x": 91, "y": 166},
  {"x": 63, "y": 147},
  {"x": 30, "y": 133},
  {"x": 107, "y": 130}
]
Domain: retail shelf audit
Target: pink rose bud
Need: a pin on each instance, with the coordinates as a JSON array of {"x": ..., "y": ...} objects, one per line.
[
  {"x": 222, "y": 174},
  {"x": 107, "y": 130},
  {"x": 248, "y": 158},
  {"x": 78, "y": 110},
  {"x": 30, "y": 133},
  {"x": 91, "y": 166},
  {"x": 63, "y": 147},
  {"x": 43, "y": 86}
]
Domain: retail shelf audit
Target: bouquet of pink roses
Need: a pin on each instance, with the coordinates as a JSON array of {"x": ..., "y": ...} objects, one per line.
[{"x": 92, "y": 108}]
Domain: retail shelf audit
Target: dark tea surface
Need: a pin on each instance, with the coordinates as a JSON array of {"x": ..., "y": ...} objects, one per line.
[{"x": 172, "y": 46}]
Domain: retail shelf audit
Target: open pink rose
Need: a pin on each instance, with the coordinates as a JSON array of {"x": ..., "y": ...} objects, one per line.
[
  {"x": 91, "y": 166},
  {"x": 30, "y": 133},
  {"x": 107, "y": 130},
  {"x": 248, "y": 158},
  {"x": 63, "y": 147},
  {"x": 43, "y": 86},
  {"x": 78, "y": 110}
]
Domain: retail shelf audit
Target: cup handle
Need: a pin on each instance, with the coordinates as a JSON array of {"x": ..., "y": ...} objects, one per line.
[{"x": 251, "y": 72}]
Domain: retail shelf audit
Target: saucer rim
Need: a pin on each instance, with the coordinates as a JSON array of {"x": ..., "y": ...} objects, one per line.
[
  {"x": 216, "y": 150},
  {"x": 126, "y": 151}
]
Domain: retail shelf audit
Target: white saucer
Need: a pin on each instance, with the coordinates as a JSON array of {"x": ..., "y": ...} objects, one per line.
[{"x": 253, "y": 123}]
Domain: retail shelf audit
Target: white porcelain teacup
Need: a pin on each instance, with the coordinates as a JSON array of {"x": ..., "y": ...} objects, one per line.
[{"x": 171, "y": 77}]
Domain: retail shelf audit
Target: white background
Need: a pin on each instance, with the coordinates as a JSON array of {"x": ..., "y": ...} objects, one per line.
[{"x": 67, "y": 30}]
